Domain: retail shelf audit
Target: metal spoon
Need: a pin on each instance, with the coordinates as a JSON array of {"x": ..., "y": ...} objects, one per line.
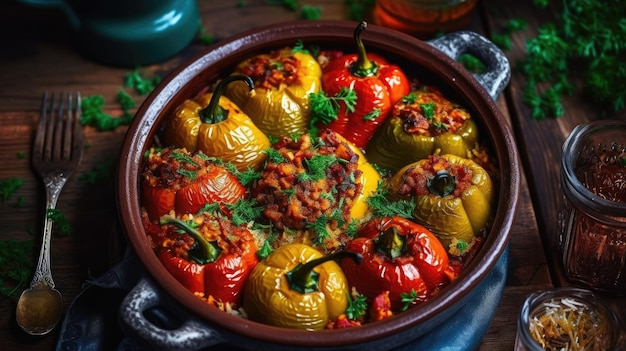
[{"x": 40, "y": 307}]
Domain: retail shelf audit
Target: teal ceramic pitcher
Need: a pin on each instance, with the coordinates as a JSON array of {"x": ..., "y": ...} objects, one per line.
[{"x": 128, "y": 33}]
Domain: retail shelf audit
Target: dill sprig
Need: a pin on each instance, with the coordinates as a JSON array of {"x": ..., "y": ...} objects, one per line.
[{"x": 383, "y": 207}]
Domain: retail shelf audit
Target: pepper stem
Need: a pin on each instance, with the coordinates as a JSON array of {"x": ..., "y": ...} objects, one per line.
[
  {"x": 442, "y": 184},
  {"x": 304, "y": 280},
  {"x": 390, "y": 243},
  {"x": 214, "y": 113},
  {"x": 202, "y": 250},
  {"x": 362, "y": 67}
]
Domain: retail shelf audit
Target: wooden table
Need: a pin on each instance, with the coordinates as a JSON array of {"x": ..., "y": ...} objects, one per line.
[{"x": 35, "y": 56}]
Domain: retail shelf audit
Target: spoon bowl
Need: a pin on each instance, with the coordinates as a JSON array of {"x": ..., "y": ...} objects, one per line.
[{"x": 39, "y": 309}]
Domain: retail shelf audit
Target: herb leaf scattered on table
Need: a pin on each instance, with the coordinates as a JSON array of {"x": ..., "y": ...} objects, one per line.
[{"x": 589, "y": 37}]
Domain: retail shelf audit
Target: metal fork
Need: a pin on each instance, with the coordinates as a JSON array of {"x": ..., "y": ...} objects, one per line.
[{"x": 57, "y": 152}]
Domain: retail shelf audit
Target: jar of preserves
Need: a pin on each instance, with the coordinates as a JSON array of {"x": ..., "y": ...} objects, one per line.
[
  {"x": 593, "y": 222},
  {"x": 424, "y": 18},
  {"x": 566, "y": 319}
]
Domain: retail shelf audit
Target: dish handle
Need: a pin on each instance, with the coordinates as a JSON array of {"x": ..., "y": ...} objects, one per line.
[
  {"x": 147, "y": 317},
  {"x": 497, "y": 68}
]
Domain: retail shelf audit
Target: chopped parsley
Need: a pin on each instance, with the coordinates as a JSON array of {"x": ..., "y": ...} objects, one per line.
[
  {"x": 408, "y": 299},
  {"x": 9, "y": 186},
  {"x": 357, "y": 306},
  {"x": 61, "y": 224}
]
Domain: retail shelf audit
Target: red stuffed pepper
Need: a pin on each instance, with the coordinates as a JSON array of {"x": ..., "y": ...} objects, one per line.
[
  {"x": 375, "y": 83},
  {"x": 211, "y": 256},
  {"x": 399, "y": 256},
  {"x": 174, "y": 179}
]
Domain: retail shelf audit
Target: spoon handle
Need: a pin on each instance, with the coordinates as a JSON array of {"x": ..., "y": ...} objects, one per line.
[{"x": 43, "y": 274}]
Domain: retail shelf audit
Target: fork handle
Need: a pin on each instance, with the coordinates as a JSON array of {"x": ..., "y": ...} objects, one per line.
[{"x": 43, "y": 274}]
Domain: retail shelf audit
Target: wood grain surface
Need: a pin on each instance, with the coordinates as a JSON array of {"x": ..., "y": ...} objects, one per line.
[{"x": 36, "y": 56}]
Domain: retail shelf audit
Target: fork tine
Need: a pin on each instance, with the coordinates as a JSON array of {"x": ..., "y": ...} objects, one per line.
[
  {"x": 40, "y": 136},
  {"x": 77, "y": 140},
  {"x": 57, "y": 137}
]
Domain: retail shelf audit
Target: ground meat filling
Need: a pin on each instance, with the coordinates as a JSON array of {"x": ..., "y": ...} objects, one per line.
[
  {"x": 175, "y": 168},
  {"x": 415, "y": 180},
  {"x": 309, "y": 183},
  {"x": 271, "y": 71},
  {"x": 430, "y": 114}
]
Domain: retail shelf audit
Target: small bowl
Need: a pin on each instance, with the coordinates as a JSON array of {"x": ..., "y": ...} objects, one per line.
[{"x": 419, "y": 58}]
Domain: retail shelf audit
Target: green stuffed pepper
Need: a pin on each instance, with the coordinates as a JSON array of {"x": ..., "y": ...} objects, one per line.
[
  {"x": 453, "y": 195},
  {"x": 422, "y": 123}
]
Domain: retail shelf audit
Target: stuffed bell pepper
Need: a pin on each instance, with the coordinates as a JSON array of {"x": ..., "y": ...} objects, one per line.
[
  {"x": 314, "y": 187},
  {"x": 297, "y": 287},
  {"x": 218, "y": 127},
  {"x": 423, "y": 122},
  {"x": 363, "y": 87},
  {"x": 453, "y": 195},
  {"x": 399, "y": 256},
  {"x": 208, "y": 255},
  {"x": 283, "y": 80},
  {"x": 183, "y": 182}
]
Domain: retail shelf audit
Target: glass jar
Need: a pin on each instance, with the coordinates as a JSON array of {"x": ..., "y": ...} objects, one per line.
[
  {"x": 593, "y": 222},
  {"x": 424, "y": 18},
  {"x": 566, "y": 319}
]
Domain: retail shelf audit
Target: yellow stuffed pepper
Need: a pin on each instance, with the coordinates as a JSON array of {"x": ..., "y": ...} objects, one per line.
[
  {"x": 453, "y": 195},
  {"x": 297, "y": 287},
  {"x": 215, "y": 125},
  {"x": 283, "y": 80},
  {"x": 422, "y": 123}
]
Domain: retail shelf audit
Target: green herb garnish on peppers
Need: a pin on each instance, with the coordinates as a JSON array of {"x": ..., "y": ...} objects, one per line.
[
  {"x": 398, "y": 256},
  {"x": 175, "y": 179},
  {"x": 423, "y": 123},
  {"x": 283, "y": 80},
  {"x": 377, "y": 84},
  {"x": 218, "y": 267},
  {"x": 453, "y": 195},
  {"x": 297, "y": 287},
  {"x": 215, "y": 125}
]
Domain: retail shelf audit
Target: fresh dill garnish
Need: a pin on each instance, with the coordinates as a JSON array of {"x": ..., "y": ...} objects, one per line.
[
  {"x": 352, "y": 230},
  {"x": 274, "y": 156},
  {"x": 317, "y": 165},
  {"x": 246, "y": 177},
  {"x": 357, "y": 306},
  {"x": 212, "y": 208},
  {"x": 324, "y": 108},
  {"x": 320, "y": 230},
  {"x": 191, "y": 175},
  {"x": 180, "y": 156},
  {"x": 383, "y": 207},
  {"x": 245, "y": 211}
]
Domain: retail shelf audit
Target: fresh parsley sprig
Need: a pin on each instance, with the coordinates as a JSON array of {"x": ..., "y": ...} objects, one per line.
[{"x": 588, "y": 37}]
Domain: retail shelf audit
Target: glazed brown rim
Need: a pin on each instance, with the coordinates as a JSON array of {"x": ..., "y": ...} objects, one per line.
[{"x": 223, "y": 55}]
